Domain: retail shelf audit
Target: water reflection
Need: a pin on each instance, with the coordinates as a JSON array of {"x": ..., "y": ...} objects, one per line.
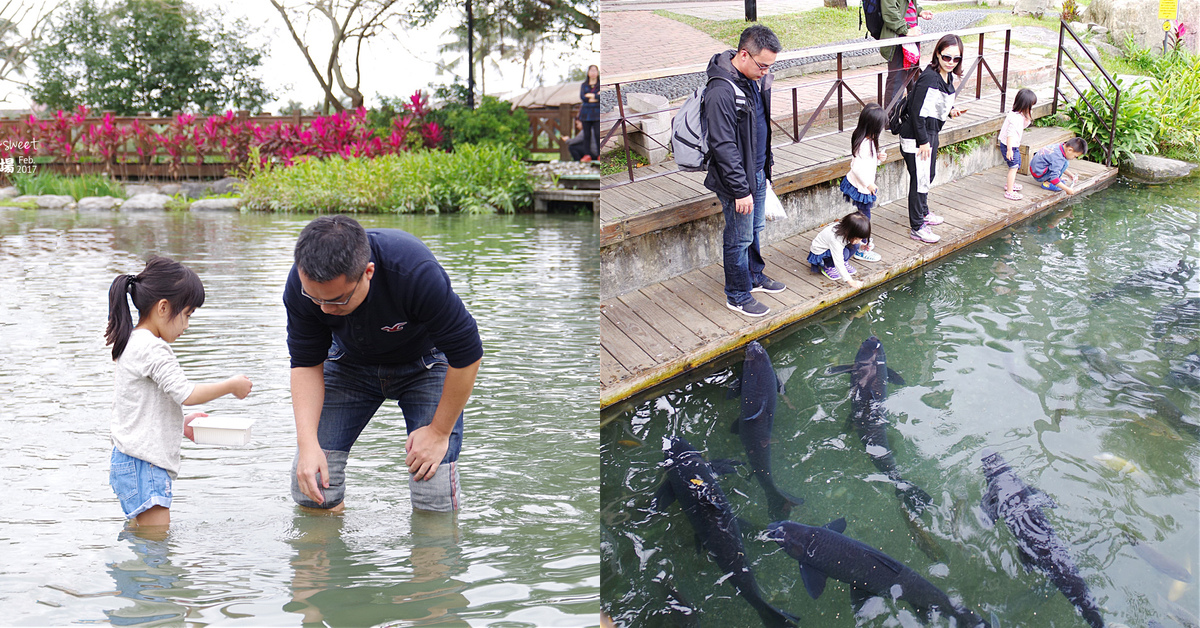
[
  {"x": 148, "y": 579},
  {"x": 429, "y": 593}
]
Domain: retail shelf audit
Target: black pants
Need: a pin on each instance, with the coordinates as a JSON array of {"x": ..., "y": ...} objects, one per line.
[
  {"x": 918, "y": 203},
  {"x": 591, "y": 137},
  {"x": 896, "y": 76}
]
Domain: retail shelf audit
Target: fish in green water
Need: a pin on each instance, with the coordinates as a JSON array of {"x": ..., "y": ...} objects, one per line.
[
  {"x": 1158, "y": 560},
  {"x": 1120, "y": 465},
  {"x": 922, "y": 537}
]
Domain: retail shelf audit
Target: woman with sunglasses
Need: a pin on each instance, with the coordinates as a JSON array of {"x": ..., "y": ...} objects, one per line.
[{"x": 930, "y": 104}]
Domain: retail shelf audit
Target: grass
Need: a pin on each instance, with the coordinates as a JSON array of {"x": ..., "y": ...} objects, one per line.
[
  {"x": 76, "y": 187},
  {"x": 472, "y": 179},
  {"x": 805, "y": 29},
  {"x": 613, "y": 162}
]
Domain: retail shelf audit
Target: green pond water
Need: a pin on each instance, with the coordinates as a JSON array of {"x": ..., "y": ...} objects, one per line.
[
  {"x": 989, "y": 345},
  {"x": 522, "y": 551}
]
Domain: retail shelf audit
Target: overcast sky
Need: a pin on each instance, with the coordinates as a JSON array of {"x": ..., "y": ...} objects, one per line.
[{"x": 391, "y": 66}]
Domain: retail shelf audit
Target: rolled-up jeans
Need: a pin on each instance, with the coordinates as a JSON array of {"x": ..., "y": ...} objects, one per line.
[
  {"x": 353, "y": 393},
  {"x": 742, "y": 258}
]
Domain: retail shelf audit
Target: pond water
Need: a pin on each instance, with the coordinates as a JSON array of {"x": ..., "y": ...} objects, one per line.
[
  {"x": 522, "y": 551},
  {"x": 1000, "y": 346}
]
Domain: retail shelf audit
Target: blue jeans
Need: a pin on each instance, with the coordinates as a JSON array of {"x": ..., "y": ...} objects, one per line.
[
  {"x": 354, "y": 392},
  {"x": 742, "y": 258}
]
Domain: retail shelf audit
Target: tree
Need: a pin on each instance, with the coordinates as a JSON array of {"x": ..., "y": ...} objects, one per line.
[
  {"x": 15, "y": 47},
  {"x": 567, "y": 20},
  {"x": 352, "y": 23},
  {"x": 147, "y": 55}
]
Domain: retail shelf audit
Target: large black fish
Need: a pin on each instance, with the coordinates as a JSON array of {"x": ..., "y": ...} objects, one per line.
[
  {"x": 869, "y": 376},
  {"x": 691, "y": 481},
  {"x": 1020, "y": 505},
  {"x": 760, "y": 387},
  {"x": 1148, "y": 279},
  {"x": 827, "y": 553}
]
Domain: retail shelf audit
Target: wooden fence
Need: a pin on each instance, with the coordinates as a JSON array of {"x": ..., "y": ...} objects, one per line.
[{"x": 550, "y": 128}]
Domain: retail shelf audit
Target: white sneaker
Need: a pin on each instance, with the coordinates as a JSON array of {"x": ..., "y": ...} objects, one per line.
[
  {"x": 933, "y": 219},
  {"x": 925, "y": 235},
  {"x": 867, "y": 256}
]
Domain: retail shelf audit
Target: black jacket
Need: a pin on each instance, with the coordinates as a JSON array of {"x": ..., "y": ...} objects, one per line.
[
  {"x": 929, "y": 106},
  {"x": 731, "y": 131}
]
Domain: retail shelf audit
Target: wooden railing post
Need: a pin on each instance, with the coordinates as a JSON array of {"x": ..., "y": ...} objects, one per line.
[
  {"x": 979, "y": 75},
  {"x": 624, "y": 132},
  {"x": 841, "y": 125},
  {"x": 1004, "y": 74},
  {"x": 565, "y": 122}
]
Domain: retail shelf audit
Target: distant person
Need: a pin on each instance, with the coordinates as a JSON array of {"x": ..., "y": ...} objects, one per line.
[
  {"x": 835, "y": 244},
  {"x": 589, "y": 112},
  {"x": 150, "y": 388},
  {"x": 930, "y": 105},
  {"x": 1048, "y": 166},
  {"x": 575, "y": 145},
  {"x": 900, "y": 20},
  {"x": 739, "y": 160},
  {"x": 371, "y": 316},
  {"x": 858, "y": 187},
  {"x": 1009, "y": 139}
]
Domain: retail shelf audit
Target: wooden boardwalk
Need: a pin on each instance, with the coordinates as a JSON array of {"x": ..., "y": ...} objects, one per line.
[
  {"x": 650, "y": 204},
  {"x": 660, "y": 331}
]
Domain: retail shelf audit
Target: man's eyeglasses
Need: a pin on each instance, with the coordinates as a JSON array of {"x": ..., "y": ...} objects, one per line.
[
  {"x": 349, "y": 296},
  {"x": 761, "y": 67},
  {"x": 950, "y": 59}
]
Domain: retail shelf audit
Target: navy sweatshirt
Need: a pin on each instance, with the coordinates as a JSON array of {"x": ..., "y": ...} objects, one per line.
[{"x": 410, "y": 309}]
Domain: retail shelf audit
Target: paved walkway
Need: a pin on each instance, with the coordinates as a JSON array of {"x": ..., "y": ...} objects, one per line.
[
  {"x": 712, "y": 9},
  {"x": 641, "y": 40}
]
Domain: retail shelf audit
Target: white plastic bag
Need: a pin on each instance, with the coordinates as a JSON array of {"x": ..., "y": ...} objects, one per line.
[{"x": 773, "y": 206}]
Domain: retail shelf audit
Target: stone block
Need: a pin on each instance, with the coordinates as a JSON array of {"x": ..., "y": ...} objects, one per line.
[
  {"x": 47, "y": 201},
  {"x": 98, "y": 203},
  {"x": 9, "y": 192},
  {"x": 1153, "y": 169},
  {"x": 217, "y": 204},
  {"x": 146, "y": 202},
  {"x": 134, "y": 189},
  {"x": 228, "y": 185}
]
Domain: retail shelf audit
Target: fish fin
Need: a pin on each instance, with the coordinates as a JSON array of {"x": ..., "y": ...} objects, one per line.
[
  {"x": 814, "y": 580},
  {"x": 725, "y": 466},
  {"x": 887, "y": 561},
  {"x": 991, "y": 508},
  {"x": 756, "y": 414},
  {"x": 839, "y": 369},
  {"x": 736, "y": 428},
  {"x": 837, "y": 525},
  {"x": 662, "y": 498},
  {"x": 858, "y": 597},
  {"x": 1026, "y": 560},
  {"x": 779, "y": 383},
  {"x": 894, "y": 377},
  {"x": 1041, "y": 499}
]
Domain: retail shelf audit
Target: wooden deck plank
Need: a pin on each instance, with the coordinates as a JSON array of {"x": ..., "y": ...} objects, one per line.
[
  {"x": 683, "y": 322},
  {"x": 626, "y": 351},
  {"x": 655, "y": 317}
]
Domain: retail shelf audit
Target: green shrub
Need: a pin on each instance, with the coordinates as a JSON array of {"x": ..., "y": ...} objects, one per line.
[
  {"x": 1176, "y": 97},
  {"x": 494, "y": 121},
  {"x": 76, "y": 187},
  {"x": 1136, "y": 125},
  {"x": 473, "y": 179}
]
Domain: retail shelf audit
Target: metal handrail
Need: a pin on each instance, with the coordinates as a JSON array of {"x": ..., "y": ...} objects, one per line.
[
  {"x": 1060, "y": 73},
  {"x": 838, "y": 86}
]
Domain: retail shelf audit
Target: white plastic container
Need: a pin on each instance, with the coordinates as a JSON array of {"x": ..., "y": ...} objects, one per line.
[{"x": 227, "y": 430}]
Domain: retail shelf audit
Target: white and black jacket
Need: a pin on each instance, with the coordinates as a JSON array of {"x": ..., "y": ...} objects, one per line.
[{"x": 929, "y": 107}]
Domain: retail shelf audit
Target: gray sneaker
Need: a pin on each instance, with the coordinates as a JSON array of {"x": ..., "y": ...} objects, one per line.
[
  {"x": 749, "y": 308},
  {"x": 769, "y": 285}
]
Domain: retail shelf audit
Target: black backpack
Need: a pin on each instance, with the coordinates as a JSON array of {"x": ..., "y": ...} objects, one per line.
[
  {"x": 898, "y": 116},
  {"x": 874, "y": 15}
]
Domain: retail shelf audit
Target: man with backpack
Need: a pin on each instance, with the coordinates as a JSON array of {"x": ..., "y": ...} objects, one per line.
[
  {"x": 888, "y": 19},
  {"x": 737, "y": 112}
]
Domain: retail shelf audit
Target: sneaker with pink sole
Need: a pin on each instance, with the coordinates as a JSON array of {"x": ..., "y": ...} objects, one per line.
[
  {"x": 925, "y": 234},
  {"x": 933, "y": 220}
]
